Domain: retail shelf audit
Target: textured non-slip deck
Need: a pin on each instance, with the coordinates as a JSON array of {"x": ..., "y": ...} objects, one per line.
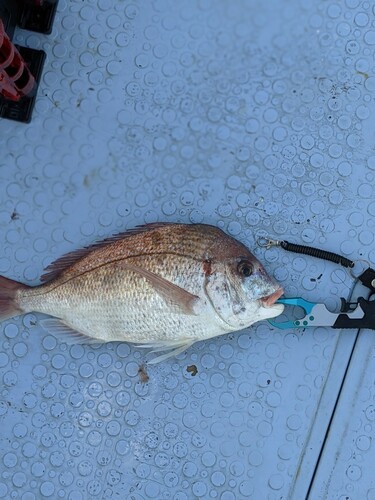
[{"x": 253, "y": 116}]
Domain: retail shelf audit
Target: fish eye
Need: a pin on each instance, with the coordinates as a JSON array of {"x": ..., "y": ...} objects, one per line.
[{"x": 245, "y": 268}]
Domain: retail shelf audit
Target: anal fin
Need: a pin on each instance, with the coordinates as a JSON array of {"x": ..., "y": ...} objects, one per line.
[{"x": 67, "y": 334}]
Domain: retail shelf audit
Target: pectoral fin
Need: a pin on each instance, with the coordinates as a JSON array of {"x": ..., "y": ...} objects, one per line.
[{"x": 186, "y": 302}]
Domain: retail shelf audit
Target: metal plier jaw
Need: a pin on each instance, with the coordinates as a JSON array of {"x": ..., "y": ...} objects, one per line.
[{"x": 360, "y": 314}]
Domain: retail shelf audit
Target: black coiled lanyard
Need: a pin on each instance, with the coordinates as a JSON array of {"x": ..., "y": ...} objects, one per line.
[{"x": 367, "y": 277}]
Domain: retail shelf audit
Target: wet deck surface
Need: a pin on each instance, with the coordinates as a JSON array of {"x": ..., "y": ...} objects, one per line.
[{"x": 254, "y": 118}]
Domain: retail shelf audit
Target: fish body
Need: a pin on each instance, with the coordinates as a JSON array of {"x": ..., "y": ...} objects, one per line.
[{"x": 161, "y": 285}]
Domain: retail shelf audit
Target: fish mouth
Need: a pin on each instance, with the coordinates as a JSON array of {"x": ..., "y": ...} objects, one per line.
[{"x": 270, "y": 300}]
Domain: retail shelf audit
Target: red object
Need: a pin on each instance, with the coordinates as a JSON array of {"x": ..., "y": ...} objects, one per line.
[{"x": 16, "y": 80}]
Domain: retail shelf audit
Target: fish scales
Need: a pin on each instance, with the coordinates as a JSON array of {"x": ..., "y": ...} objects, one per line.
[
  {"x": 182, "y": 239},
  {"x": 119, "y": 305}
]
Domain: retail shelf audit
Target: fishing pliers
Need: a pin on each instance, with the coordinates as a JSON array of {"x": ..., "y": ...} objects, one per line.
[{"x": 358, "y": 314}]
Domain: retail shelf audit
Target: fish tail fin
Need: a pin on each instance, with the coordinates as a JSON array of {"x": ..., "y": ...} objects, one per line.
[{"x": 8, "y": 298}]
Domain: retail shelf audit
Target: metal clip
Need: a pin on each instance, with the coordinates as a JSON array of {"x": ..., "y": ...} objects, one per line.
[{"x": 267, "y": 243}]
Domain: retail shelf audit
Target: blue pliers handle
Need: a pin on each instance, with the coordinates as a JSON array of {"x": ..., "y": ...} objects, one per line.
[{"x": 360, "y": 314}]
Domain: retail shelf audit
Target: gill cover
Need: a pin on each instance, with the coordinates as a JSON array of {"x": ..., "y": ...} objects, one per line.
[{"x": 236, "y": 298}]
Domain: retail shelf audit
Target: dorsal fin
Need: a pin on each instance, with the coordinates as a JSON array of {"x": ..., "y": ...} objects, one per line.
[{"x": 54, "y": 269}]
